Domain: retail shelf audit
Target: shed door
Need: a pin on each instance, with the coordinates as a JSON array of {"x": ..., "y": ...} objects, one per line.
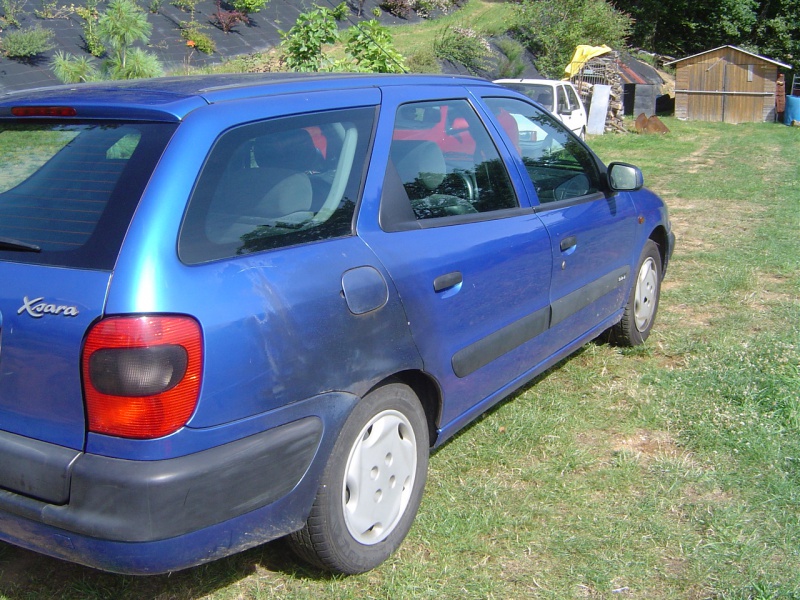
[{"x": 744, "y": 98}]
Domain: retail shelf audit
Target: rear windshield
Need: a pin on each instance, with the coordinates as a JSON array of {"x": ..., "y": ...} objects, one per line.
[{"x": 68, "y": 190}]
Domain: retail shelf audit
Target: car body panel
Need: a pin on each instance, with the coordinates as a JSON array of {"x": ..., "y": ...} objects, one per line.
[{"x": 464, "y": 308}]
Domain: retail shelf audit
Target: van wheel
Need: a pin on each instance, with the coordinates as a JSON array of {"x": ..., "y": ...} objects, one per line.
[
  {"x": 640, "y": 311},
  {"x": 372, "y": 485}
]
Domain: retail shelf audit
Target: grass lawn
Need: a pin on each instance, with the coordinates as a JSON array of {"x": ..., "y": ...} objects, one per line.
[{"x": 666, "y": 471}]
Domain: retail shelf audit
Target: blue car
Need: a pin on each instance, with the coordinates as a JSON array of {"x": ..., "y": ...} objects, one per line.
[{"x": 240, "y": 307}]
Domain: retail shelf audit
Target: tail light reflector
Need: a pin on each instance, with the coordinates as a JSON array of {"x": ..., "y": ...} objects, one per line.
[{"x": 141, "y": 375}]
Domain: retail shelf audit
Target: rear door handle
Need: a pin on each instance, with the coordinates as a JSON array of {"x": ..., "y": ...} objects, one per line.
[
  {"x": 447, "y": 281},
  {"x": 568, "y": 242}
]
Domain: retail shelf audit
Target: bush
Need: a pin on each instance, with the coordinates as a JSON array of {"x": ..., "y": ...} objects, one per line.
[
  {"x": 196, "y": 39},
  {"x": 463, "y": 45},
  {"x": 249, "y": 6},
  {"x": 398, "y": 8},
  {"x": 26, "y": 43},
  {"x": 423, "y": 61},
  {"x": 371, "y": 46},
  {"x": 302, "y": 44}
]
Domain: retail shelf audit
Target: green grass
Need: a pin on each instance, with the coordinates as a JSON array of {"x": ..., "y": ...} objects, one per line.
[{"x": 661, "y": 472}]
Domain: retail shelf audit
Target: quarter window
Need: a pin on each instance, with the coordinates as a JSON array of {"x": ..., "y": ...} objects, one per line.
[
  {"x": 278, "y": 183},
  {"x": 559, "y": 165}
]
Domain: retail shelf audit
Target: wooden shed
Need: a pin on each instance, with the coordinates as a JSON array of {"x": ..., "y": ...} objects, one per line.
[{"x": 726, "y": 84}]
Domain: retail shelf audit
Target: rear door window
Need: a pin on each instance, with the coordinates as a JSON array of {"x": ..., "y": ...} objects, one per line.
[
  {"x": 68, "y": 190},
  {"x": 278, "y": 183}
]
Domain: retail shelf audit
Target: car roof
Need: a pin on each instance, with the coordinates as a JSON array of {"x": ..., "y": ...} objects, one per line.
[{"x": 172, "y": 98}]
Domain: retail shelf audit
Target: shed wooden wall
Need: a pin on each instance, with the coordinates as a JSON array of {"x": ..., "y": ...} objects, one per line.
[{"x": 725, "y": 85}]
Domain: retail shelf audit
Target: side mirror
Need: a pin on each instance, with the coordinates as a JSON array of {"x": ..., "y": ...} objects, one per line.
[{"x": 623, "y": 177}]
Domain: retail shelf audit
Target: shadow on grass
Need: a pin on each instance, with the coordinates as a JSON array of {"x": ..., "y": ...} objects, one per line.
[{"x": 25, "y": 575}]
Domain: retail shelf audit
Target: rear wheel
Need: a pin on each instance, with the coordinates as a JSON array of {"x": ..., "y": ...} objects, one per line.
[
  {"x": 640, "y": 311},
  {"x": 372, "y": 486}
]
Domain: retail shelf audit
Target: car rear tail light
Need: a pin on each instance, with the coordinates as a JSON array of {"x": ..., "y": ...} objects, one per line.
[{"x": 141, "y": 375}]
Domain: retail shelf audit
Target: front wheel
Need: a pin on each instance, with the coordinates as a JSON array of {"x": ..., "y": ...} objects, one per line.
[
  {"x": 640, "y": 311},
  {"x": 372, "y": 485}
]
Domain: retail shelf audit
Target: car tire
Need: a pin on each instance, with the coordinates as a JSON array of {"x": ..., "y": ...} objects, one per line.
[
  {"x": 372, "y": 485},
  {"x": 642, "y": 306}
]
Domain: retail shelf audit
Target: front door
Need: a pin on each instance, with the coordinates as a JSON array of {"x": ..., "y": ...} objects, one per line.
[{"x": 470, "y": 260}]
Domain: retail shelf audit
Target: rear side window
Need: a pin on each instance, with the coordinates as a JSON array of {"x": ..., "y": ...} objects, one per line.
[
  {"x": 67, "y": 191},
  {"x": 278, "y": 183}
]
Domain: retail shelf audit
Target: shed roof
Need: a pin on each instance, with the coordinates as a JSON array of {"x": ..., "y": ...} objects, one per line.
[{"x": 764, "y": 58}]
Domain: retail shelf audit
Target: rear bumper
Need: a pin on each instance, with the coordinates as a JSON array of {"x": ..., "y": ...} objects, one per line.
[{"x": 157, "y": 516}]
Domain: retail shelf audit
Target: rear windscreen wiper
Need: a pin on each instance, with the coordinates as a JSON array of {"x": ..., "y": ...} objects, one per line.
[{"x": 10, "y": 244}]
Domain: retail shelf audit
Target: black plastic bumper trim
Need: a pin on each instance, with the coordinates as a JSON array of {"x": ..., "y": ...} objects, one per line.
[{"x": 145, "y": 501}]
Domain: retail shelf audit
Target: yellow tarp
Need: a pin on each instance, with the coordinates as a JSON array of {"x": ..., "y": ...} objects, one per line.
[{"x": 583, "y": 54}]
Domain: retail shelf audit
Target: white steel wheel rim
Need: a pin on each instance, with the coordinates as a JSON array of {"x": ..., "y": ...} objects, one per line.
[
  {"x": 644, "y": 302},
  {"x": 379, "y": 477}
]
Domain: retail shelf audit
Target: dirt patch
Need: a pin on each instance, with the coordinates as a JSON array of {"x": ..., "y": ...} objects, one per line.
[{"x": 647, "y": 445}]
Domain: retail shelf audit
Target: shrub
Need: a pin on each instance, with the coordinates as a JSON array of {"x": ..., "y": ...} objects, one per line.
[
  {"x": 423, "y": 61},
  {"x": 70, "y": 69},
  {"x": 398, "y": 8},
  {"x": 302, "y": 44},
  {"x": 26, "y": 43},
  {"x": 196, "y": 39},
  {"x": 249, "y": 6},
  {"x": 12, "y": 12},
  {"x": 228, "y": 19},
  {"x": 371, "y": 47},
  {"x": 462, "y": 45}
]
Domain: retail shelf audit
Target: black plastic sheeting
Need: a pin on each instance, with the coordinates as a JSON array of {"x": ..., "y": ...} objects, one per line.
[{"x": 165, "y": 41}]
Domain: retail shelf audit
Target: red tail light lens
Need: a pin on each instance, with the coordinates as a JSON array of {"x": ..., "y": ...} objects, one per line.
[{"x": 141, "y": 375}]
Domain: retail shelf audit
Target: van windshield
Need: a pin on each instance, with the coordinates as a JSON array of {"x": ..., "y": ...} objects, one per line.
[{"x": 68, "y": 190}]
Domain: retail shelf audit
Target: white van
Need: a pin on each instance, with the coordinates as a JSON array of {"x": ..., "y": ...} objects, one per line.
[{"x": 559, "y": 97}]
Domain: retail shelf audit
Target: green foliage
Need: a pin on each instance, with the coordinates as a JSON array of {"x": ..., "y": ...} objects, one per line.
[
  {"x": 91, "y": 36},
  {"x": 119, "y": 27},
  {"x": 511, "y": 65},
  {"x": 552, "y": 29},
  {"x": 249, "y": 6},
  {"x": 26, "y": 43},
  {"x": 187, "y": 6},
  {"x": 340, "y": 11},
  {"x": 138, "y": 64},
  {"x": 462, "y": 45},
  {"x": 71, "y": 69},
  {"x": 423, "y": 61},
  {"x": 398, "y": 8},
  {"x": 376, "y": 11},
  {"x": 12, "y": 12},
  {"x": 195, "y": 38},
  {"x": 371, "y": 47},
  {"x": 302, "y": 45}
]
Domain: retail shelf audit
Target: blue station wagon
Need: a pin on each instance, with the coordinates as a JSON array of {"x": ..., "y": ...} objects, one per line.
[{"x": 235, "y": 308}]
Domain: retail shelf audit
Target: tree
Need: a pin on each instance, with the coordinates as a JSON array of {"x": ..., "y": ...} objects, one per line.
[
  {"x": 552, "y": 28},
  {"x": 119, "y": 27}
]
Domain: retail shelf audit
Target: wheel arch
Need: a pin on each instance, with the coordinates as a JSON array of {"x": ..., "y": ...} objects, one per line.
[
  {"x": 659, "y": 236},
  {"x": 427, "y": 391}
]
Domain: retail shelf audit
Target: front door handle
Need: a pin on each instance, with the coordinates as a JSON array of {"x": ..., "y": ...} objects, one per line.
[
  {"x": 447, "y": 281},
  {"x": 568, "y": 242}
]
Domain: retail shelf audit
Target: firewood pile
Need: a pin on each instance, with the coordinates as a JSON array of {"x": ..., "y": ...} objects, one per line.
[{"x": 603, "y": 70}]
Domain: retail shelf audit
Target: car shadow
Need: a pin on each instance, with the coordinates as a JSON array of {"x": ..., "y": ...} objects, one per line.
[{"x": 25, "y": 574}]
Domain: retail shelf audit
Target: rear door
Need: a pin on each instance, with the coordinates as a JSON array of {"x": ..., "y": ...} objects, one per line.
[
  {"x": 67, "y": 192},
  {"x": 470, "y": 259}
]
